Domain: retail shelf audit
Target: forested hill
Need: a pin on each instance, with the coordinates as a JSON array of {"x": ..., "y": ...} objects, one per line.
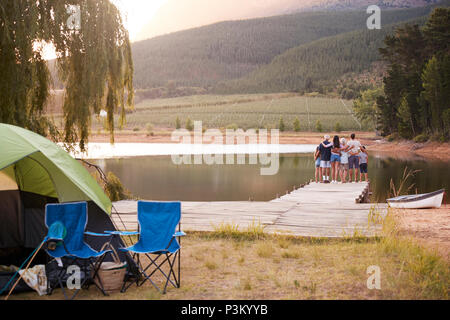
[
  {"x": 229, "y": 50},
  {"x": 318, "y": 65}
]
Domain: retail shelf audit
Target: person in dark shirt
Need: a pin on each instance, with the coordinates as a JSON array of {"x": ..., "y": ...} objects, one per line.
[{"x": 325, "y": 157}]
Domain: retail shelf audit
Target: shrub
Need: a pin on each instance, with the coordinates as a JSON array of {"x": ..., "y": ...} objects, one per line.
[
  {"x": 281, "y": 125},
  {"x": 114, "y": 188},
  {"x": 421, "y": 138},
  {"x": 189, "y": 124},
  {"x": 319, "y": 126},
  {"x": 232, "y": 126},
  {"x": 392, "y": 137},
  {"x": 177, "y": 123},
  {"x": 337, "y": 127},
  {"x": 264, "y": 250},
  {"x": 149, "y": 128},
  {"x": 439, "y": 137},
  {"x": 296, "y": 125}
]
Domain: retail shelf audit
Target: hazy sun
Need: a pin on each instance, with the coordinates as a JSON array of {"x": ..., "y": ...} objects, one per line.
[{"x": 137, "y": 13}]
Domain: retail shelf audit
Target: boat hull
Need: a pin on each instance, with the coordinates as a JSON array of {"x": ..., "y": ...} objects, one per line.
[{"x": 423, "y": 201}]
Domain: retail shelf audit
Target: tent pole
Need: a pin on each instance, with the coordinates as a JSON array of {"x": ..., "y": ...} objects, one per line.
[{"x": 26, "y": 268}]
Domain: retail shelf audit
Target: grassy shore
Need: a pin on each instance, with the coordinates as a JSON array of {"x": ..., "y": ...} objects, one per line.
[
  {"x": 250, "y": 264},
  {"x": 154, "y": 120}
]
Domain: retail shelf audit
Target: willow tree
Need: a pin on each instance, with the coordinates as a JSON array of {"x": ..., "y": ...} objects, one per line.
[{"x": 93, "y": 60}]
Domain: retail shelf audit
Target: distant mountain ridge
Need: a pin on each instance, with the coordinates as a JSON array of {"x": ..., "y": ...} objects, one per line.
[
  {"x": 358, "y": 4},
  {"x": 206, "y": 56},
  {"x": 315, "y": 66},
  {"x": 177, "y": 15}
]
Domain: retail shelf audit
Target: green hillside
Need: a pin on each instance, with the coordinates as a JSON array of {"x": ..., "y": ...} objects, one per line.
[
  {"x": 317, "y": 65},
  {"x": 205, "y": 56}
]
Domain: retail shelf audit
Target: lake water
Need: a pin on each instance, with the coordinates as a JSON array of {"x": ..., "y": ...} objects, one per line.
[{"x": 158, "y": 178}]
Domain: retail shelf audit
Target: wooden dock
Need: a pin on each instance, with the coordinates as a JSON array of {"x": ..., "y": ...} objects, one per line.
[{"x": 314, "y": 210}]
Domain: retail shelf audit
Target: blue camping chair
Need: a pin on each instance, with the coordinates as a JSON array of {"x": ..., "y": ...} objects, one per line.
[
  {"x": 66, "y": 225},
  {"x": 157, "y": 238}
]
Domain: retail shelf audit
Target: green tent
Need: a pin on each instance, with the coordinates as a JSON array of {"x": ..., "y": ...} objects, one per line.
[
  {"x": 34, "y": 172},
  {"x": 41, "y": 167}
]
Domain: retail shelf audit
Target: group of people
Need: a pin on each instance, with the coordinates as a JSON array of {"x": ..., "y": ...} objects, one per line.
[{"x": 341, "y": 158}]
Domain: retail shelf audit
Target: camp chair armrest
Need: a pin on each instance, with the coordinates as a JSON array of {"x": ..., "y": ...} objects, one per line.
[
  {"x": 179, "y": 234},
  {"x": 96, "y": 234},
  {"x": 123, "y": 233}
]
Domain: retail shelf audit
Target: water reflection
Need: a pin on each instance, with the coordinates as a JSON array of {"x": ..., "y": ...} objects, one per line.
[{"x": 157, "y": 178}]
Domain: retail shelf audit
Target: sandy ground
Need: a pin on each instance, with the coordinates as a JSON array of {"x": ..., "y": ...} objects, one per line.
[{"x": 431, "y": 227}]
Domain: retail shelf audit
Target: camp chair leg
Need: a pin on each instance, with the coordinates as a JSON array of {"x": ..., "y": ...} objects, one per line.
[
  {"x": 135, "y": 273},
  {"x": 85, "y": 263},
  {"x": 51, "y": 286},
  {"x": 95, "y": 269},
  {"x": 179, "y": 267},
  {"x": 171, "y": 264},
  {"x": 158, "y": 267},
  {"x": 147, "y": 277},
  {"x": 85, "y": 283},
  {"x": 60, "y": 274}
]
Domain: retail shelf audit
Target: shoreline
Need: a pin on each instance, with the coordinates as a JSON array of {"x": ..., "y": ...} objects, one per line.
[
  {"x": 429, "y": 227},
  {"x": 401, "y": 149}
]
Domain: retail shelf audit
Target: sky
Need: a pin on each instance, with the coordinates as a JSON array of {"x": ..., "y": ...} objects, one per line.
[
  {"x": 176, "y": 15},
  {"x": 137, "y": 14}
]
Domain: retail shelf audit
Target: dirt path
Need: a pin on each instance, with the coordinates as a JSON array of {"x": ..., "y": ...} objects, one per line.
[{"x": 431, "y": 227}]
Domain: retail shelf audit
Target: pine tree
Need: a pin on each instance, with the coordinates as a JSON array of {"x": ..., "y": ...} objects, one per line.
[
  {"x": 281, "y": 125},
  {"x": 405, "y": 117},
  {"x": 189, "y": 124},
  {"x": 319, "y": 126},
  {"x": 296, "y": 125},
  {"x": 433, "y": 93}
]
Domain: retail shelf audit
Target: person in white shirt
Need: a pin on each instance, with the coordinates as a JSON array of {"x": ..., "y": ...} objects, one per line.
[
  {"x": 344, "y": 160},
  {"x": 353, "y": 159}
]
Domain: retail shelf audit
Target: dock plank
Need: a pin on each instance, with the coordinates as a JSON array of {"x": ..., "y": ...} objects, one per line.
[{"x": 315, "y": 210}]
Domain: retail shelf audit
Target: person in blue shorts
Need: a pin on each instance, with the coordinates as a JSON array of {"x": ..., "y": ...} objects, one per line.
[
  {"x": 363, "y": 163},
  {"x": 353, "y": 159},
  {"x": 335, "y": 159}
]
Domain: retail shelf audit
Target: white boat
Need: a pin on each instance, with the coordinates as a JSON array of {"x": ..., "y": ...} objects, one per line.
[{"x": 418, "y": 201}]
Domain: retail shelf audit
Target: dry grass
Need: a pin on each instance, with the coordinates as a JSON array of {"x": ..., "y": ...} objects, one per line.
[{"x": 222, "y": 265}]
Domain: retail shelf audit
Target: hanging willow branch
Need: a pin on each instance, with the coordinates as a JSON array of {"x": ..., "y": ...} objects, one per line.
[{"x": 94, "y": 63}]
